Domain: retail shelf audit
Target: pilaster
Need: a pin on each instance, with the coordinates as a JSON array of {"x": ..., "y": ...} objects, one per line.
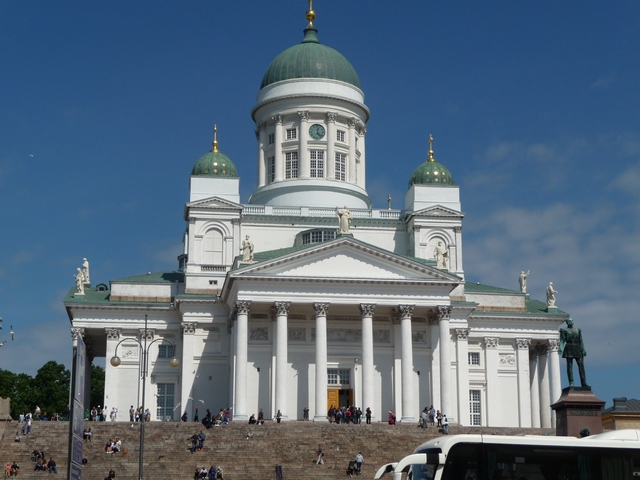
[
  {"x": 524, "y": 389},
  {"x": 462, "y": 360}
]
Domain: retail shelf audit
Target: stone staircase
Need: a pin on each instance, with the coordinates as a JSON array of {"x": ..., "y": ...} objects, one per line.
[{"x": 166, "y": 455}]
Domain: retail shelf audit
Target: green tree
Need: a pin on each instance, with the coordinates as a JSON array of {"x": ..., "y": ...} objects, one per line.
[
  {"x": 51, "y": 388},
  {"x": 97, "y": 386}
]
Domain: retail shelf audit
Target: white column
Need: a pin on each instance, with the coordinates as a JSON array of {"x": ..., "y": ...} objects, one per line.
[
  {"x": 282, "y": 311},
  {"x": 242, "y": 337},
  {"x": 279, "y": 161},
  {"x": 304, "y": 167},
  {"x": 367, "y": 357},
  {"x": 321, "y": 310},
  {"x": 261, "y": 136},
  {"x": 535, "y": 387},
  {"x": 493, "y": 388},
  {"x": 362, "y": 180},
  {"x": 408, "y": 408},
  {"x": 331, "y": 142},
  {"x": 187, "y": 371},
  {"x": 397, "y": 371},
  {"x": 435, "y": 362},
  {"x": 543, "y": 374},
  {"x": 351, "y": 167},
  {"x": 446, "y": 403},
  {"x": 462, "y": 359},
  {"x": 524, "y": 389},
  {"x": 554, "y": 375}
]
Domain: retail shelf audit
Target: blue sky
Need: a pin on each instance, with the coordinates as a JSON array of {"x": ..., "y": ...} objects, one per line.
[{"x": 534, "y": 108}]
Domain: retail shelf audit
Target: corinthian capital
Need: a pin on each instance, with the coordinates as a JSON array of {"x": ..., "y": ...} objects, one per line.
[
  {"x": 444, "y": 312},
  {"x": 321, "y": 309},
  {"x": 491, "y": 342},
  {"x": 463, "y": 333},
  {"x": 282, "y": 308},
  {"x": 277, "y": 118},
  {"x": 405, "y": 311},
  {"x": 523, "y": 343},
  {"x": 188, "y": 328},
  {"x": 303, "y": 115},
  {"x": 367, "y": 309},
  {"x": 243, "y": 307},
  {"x": 112, "y": 333},
  {"x": 75, "y": 331},
  {"x": 553, "y": 345}
]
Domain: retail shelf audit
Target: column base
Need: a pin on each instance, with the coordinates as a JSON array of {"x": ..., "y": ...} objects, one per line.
[
  {"x": 320, "y": 418},
  {"x": 576, "y": 409},
  {"x": 408, "y": 420},
  {"x": 240, "y": 416}
]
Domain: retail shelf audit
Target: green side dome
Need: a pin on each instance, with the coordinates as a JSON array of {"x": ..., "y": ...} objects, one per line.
[
  {"x": 310, "y": 59},
  {"x": 215, "y": 163},
  {"x": 431, "y": 172}
]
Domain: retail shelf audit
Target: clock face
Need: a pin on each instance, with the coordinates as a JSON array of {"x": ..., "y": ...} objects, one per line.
[{"x": 316, "y": 131}]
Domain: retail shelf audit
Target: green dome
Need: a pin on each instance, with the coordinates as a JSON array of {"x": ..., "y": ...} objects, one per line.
[
  {"x": 310, "y": 59},
  {"x": 214, "y": 164},
  {"x": 431, "y": 172}
]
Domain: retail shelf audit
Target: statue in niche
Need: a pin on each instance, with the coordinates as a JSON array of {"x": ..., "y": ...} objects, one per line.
[
  {"x": 344, "y": 220},
  {"x": 522, "y": 280},
  {"x": 79, "y": 282},
  {"x": 85, "y": 270},
  {"x": 441, "y": 255},
  {"x": 572, "y": 347},
  {"x": 247, "y": 249},
  {"x": 551, "y": 296}
]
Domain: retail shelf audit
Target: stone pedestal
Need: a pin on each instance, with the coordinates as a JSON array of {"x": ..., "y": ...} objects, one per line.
[
  {"x": 5, "y": 409},
  {"x": 578, "y": 408}
]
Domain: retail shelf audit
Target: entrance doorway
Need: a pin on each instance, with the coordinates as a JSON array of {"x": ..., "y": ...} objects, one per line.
[{"x": 339, "y": 396}]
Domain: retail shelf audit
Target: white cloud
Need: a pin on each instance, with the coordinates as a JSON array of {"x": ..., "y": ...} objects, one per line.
[{"x": 590, "y": 258}]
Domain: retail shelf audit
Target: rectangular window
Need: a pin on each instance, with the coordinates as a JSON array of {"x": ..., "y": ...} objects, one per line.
[
  {"x": 166, "y": 351},
  {"x": 271, "y": 169},
  {"x": 291, "y": 165},
  {"x": 341, "y": 166},
  {"x": 272, "y": 138},
  {"x": 474, "y": 408},
  {"x": 340, "y": 136},
  {"x": 166, "y": 401},
  {"x": 316, "y": 163},
  {"x": 474, "y": 358},
  {"x": 292, "y": 134},
  {"x": 340, "y": 377}
]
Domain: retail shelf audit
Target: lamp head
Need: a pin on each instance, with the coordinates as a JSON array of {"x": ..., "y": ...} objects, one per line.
[
  {"x": 174, "y": 362},
  {"x": 115, "y": 361}
]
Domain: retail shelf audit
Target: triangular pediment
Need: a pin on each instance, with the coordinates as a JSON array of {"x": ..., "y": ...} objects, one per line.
[
  {"x": 345, "y": 259},
  {"x": 214, "y": 203},
  {"x": 437, "y": 211}
]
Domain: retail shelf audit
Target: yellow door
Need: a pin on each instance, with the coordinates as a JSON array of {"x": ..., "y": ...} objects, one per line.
[{"x": 333, "y": 397}]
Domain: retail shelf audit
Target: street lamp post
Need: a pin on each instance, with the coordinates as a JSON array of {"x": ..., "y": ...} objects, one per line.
[{"x": 144, "y": 367}]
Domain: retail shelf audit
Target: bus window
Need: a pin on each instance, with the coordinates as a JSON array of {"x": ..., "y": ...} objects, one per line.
[{"x": 462, "y": 462}]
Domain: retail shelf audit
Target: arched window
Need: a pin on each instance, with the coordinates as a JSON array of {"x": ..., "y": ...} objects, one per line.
[{"x": 212, "y": 248}]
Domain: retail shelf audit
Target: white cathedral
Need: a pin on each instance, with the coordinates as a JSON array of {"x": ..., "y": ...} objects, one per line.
[{"x": 306, "y": 296}]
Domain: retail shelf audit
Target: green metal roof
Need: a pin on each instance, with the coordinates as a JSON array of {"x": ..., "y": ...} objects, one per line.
[
  {"x": 431, "y": 173},
  {"x": 310, "y": 59},
  {"x": 215, "y": 164},
  {"x": 534, "y": 307},
  {"x": 480, "y": 288}
]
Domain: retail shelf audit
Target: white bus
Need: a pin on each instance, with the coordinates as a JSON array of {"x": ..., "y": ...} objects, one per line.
[{"x": 612, "y": 455}]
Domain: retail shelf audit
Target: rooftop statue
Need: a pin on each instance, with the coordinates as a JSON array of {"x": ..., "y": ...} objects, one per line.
[
  {"x": 85, "y": 270},
  {"x": 344, "y": 220},
  {"x": 79, "y": 282},
  {"x": 247, "y": 250},
  {"x": 572, "y": 347},
  {"x": 522, "y": 280},
  {"x": 551, "y": 296}
]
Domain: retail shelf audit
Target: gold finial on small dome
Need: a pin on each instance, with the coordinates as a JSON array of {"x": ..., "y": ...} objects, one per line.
[
  {"x": 214, "y": 144},
  {"x": 311, "y": 15},
  {"x": 431, "y": 159}
]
